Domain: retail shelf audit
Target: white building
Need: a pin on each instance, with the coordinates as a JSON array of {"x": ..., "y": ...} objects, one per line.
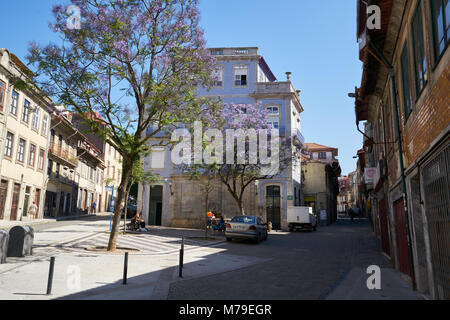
[{"x": 24, "y": 134}]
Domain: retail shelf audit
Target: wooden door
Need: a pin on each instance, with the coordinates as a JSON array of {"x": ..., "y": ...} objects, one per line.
[
  {"x": 385, "y": 244},
  {"x": 3, "y": 193},
  {"x": 15, "y": 202},
  {"x": 37, "y": 200},
  {"x": 402, "y": 237}
]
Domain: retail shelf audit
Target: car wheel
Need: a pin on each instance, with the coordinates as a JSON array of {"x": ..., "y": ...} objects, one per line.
[
  {"x": 266, "y": 236},
  {"x": 229, "y": 239}
]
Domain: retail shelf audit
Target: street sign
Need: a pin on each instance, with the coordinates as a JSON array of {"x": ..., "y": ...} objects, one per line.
[{"x": 290, "y": 197}]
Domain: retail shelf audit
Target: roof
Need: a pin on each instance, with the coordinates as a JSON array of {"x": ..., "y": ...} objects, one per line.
[{"x": 315, "y": 146}]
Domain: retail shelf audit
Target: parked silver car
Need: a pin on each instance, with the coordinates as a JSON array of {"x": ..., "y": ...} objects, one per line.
[{"x": 246, "y": 227}]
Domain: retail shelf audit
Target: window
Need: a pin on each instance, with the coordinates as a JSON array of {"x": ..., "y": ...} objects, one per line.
[
  {"x": 218, "y": 77},
  {"x": 217, "y": 52},
  {"x": 113, "y": 172},
  {"x": 2, "y": 94},
  {"x": 322, "y": 155},
  {"x": 158, "y": 158},
  {"x": 58, "y": 169},
  {"x": 50, "y": 167},
  {"x": 240, "y": 75},
  {"x": 35, "y": 122},
  {"x": 60, "y": 142},
  {"x": 407, "y": 99},
  {"x": 9, "y": 144},
  {"x": 21, "y": 150},
  {"x": 41, "y": 159},
  {"x": 420, "y": 63},
  {"x": 14, "y": 103},
  {"x": 273, "y": 110},
  {"x": 273, "y": 123},
  {"x": 32, "y": 155},
  {"x": 26, "y": 111},
  {"x": 441, "y": 21},
  {"x": 44, "y": 125}
]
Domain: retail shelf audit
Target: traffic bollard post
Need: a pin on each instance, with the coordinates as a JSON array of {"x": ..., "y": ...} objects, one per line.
[
  {"x": 125, "y": 268},
  {"x": 50, "y": 276}
]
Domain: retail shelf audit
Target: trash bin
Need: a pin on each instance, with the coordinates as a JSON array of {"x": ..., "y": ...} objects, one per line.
[
  {"x": 20, "y": 241},
  {"x": 4, "y": 237}
]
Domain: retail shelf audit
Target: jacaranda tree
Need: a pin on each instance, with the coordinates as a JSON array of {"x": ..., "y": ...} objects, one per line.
[
  {"x": 126, "y": 66},
  {"x": 253, "y": 150}
]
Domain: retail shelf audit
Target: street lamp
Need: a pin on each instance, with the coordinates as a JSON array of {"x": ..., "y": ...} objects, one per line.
[{"x": 170, "y": 185}]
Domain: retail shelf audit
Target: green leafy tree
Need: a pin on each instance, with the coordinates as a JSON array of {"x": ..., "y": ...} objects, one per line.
[{"x": 131, "y": 70}]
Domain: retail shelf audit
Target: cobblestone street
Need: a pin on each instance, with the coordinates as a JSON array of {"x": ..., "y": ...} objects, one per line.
[{"x": 302, "y": 265}]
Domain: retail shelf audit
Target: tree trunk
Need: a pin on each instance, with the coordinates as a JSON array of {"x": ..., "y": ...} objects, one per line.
[
  {"x": 206, "y": 217},
  {"x": 241, "y": 207},
  {"x": 121, "y": 194}
]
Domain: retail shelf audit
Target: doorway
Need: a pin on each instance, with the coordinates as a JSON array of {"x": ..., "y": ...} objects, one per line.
[
  {"x": 402, "y": 237},
  {"x": 15, "y": 202},
  {"x": 273, "y": 206},
  {"x": 156, "y": 201},
  {"x": 3, "y": 192}
]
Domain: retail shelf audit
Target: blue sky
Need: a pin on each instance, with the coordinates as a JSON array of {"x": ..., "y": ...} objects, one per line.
[{"x": 315, "y": 40}]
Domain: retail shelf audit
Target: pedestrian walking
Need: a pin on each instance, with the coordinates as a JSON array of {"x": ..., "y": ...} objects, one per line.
[
  {"x": 351, "y": 213},
  {"x": 32, "y": 210},
  {"x": 94, "y": 206},
  {"x": 323, "y": 218}
]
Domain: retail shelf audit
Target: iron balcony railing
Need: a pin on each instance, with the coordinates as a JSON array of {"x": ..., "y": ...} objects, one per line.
[{"x": 65, "y": 154}]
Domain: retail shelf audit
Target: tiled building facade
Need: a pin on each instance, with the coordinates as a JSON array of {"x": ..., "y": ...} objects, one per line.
[{"x": 244, "y": 78}]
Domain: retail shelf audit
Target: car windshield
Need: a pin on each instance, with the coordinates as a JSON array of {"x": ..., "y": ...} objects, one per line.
[{"x": 243, "y": 219}]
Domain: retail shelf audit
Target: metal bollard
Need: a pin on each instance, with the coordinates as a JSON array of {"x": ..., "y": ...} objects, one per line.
[
  {"x": 180, "y": 268},
  {"x": 125, "y": 268},
  {"x": 50, "y": 276}
]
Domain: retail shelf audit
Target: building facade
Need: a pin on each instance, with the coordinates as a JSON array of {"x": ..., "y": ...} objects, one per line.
[
  {"x": 404, "y": 97},
  {"x": 320, "y": 171},
  {"x": 244, "y": 78},
  {"x": 25, "y": 130}
]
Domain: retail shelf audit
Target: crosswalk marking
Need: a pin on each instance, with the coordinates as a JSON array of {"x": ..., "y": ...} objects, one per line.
[{"x": 144, "y": 243}]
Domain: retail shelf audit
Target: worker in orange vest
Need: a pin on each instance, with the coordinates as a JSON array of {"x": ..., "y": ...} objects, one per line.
[{"x": 209, "y": 217}]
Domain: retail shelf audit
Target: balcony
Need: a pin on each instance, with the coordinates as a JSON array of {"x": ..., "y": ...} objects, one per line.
[
  {"x": 67, "y": 156},
  {"x": 300, "y": 137},
  {"x": 274, "y": 87}
]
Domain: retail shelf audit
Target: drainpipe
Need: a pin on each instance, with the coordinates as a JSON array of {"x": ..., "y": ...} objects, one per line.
[{"x": 379, "y": 56}]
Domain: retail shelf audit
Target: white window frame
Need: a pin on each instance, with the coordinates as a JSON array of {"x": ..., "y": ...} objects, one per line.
[
  {"x": 9, "y": 145},
  {"x": 35, "y": 120},
  {"x": 220, "y": 73},
  {"x": 238, "y": 71},
  {"x": 21, "y": 155},
  {"x": 44, "y": 125},
  {"x": 270, "y": 110},
  {"x": 26, "y": 111},
  {"x": 14, "y": 103}
]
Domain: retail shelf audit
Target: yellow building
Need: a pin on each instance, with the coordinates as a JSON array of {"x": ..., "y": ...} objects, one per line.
[{"x": 25, "y": 133}]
